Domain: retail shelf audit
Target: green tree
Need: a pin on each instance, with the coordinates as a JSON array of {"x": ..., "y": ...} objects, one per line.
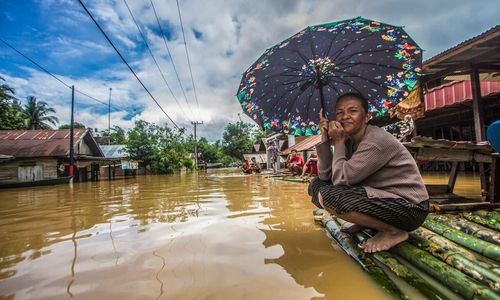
[
  {"x": 75, "y": 125},
  {"x": 141, "y": 142},
  {"x": 118, "y": 135},
  {"x": 11, "y": 114},
  {"x": 162, "y": 148},
  {"x": 38, "y": 114},
  {"x": 238, "y": 139}
]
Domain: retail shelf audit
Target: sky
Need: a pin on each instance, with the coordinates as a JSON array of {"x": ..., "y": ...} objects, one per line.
[{"x": 223, "y": 38}]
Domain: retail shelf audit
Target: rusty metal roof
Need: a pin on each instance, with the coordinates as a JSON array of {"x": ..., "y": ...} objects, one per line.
[
  {"x": 43, "y": 143},
  {"x": 306, "y": 144}
]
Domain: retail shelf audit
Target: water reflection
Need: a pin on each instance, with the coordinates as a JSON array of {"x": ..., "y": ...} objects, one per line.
[{"x": 217, "y": 235}]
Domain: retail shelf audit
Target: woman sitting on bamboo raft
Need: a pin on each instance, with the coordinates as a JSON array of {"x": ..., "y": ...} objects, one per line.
[{"x": 371, "y": 180}]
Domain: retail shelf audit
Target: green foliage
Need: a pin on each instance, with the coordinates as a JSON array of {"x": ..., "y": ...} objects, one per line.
[
  {"x": 118, "y": 135},
  {"x": 75, "y": 125},
  {"x": 239, "y": 138},
  {"x": 11, "y": 114},
  {"x": 37, "y": 114},
  {"x": 162, "y": 148}
]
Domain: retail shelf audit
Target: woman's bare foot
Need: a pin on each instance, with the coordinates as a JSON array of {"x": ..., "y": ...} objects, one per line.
[
  {"x": 384, "y": 240},
  {"x": 352, "y": 228}
]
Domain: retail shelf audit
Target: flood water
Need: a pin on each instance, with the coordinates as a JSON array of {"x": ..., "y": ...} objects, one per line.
[{"x": 185, "y": 236}]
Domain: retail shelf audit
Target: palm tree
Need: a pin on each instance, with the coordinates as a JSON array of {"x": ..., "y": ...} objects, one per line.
[
  {"x": 6, "y": 93},
  {"x": 37, "y": 114}
]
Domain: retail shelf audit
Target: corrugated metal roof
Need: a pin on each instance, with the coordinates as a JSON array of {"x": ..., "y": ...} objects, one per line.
[
  {"x": 482, "y": 49},
  {"x": 114, "y": 151},
  {"x": 492, "y": 30},
  {"x": 304, "y": 145},
  {"x": 456, "y": 92},
  {"x": 43, "y": 143}
]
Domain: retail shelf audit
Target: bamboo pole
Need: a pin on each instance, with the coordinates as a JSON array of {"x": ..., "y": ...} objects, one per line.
[
  {"x": 468, "y": 227},
  {"x": 445, "y": 243},
  {"x": 402, "y": 271},
  {"x": 482, "y": 218},
  {"x": 345, "y": 241},
  {"x": 487, "y": 249},
  {"x": 492, "y": 214},
  {"x": 458, "y": 261},
  {"x": 452, "y": 278}
]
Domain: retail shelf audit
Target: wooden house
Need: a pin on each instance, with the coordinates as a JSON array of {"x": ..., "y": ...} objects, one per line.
[{"x": 41, "y": 155}]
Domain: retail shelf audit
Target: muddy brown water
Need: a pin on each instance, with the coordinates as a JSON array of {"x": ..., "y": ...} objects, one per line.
[{"x": 217, "y": 235}]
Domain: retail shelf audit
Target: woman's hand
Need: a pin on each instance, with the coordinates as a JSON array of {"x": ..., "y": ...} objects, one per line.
[
  {"x": 336, "y": 132},
  {"x": 323, "y": 126}
]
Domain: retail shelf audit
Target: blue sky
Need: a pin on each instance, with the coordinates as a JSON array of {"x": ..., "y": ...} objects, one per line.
[{"x": 223, "y": 37}]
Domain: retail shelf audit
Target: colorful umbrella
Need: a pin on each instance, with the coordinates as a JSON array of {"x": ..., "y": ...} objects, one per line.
[{"x": 287, "y": 86}]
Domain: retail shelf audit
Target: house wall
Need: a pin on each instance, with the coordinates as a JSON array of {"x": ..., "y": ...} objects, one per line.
[
  {"x": 83, "y": 148},
  {"x": 10, "y": 170}
]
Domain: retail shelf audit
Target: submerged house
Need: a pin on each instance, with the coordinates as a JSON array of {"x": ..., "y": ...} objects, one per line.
[
  {"x": 37, "y": 155},
  {"x": 118, "y": 164}
]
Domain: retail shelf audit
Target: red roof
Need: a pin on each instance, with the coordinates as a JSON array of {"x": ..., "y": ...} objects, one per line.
[
  {"x": 306, "y": 144},
  {"x": 456, "y": 92},
  {"x": 43, "y": 143}
]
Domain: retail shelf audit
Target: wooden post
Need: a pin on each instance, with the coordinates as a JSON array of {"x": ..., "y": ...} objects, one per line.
[
  {"x": 477, "y": 106},
  {"x": 453, "y": 177},
  {"x": 495, "y": 179}
]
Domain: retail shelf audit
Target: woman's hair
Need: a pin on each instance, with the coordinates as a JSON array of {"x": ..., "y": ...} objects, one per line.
[{"x": 357, "y": 96}]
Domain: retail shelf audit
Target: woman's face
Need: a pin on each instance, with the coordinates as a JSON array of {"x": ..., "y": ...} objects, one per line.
[{"x": 351, "y": 114}]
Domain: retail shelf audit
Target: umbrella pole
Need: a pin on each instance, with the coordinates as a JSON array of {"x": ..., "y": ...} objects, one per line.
[{"x": 322, "y": 99}]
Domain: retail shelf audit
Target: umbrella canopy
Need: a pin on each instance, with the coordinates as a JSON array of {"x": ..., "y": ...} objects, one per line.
[{"x": 287, "y": 86}]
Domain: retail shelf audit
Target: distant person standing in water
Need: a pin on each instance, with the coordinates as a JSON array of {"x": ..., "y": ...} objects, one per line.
[
  {"x": 274, "y": 154},
  {"x": 371, "y": 180}
]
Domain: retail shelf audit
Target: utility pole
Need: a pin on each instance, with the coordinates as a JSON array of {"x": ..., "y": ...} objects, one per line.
[
  {"x": 109, "y": 118},
  {"x": 71, "y": 146},
  {"x": 196, "y": 144}
]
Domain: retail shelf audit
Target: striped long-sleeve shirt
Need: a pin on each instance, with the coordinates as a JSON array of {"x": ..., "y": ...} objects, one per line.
[{"x": 381, "y": 164}]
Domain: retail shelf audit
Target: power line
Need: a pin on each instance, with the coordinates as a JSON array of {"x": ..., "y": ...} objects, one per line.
[
  {"x": 170, "y": 55},
  {"x": 154, "y": 59},
  {"x": 187, "y": 56},
  {"x": 126, "y": 63},
  {"x": 55, "y": 77}
]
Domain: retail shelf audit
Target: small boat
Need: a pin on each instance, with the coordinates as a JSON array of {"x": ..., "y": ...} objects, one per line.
[{"x": 53, "y": 181}]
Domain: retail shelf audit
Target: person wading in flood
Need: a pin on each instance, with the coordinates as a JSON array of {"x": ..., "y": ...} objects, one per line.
[{"x": 371, "y": 180}]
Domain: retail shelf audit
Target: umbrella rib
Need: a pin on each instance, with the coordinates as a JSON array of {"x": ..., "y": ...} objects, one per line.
[
  {"x": 275, "y": 89},
  {"x": 297, "y": 97},
  {"x": 294, "y": 51},
  {"x": 371, "y": 64},
  {"x": 349, "y": 44},
  {"x": 331, "y": 44},
  {"x": 309, "y": 103},
  {"x": 352, "y": 86},
  {"x": 369, "y": 80},
  {"x": 277, "y": 101},
  {"x": 343, "y": 59}
]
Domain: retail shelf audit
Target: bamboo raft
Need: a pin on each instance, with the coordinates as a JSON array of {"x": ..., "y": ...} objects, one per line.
[
  {"x": 293, "y": 179},
  {"x": 450, "y": 256}
]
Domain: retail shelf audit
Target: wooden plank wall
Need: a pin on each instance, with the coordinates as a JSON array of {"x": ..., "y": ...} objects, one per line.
[{"x": 8, "y": 170}]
